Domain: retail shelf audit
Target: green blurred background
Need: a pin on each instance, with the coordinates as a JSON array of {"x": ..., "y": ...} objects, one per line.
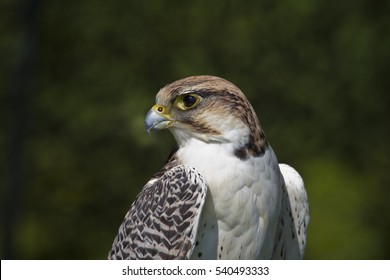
[{"x": 77, "y": 78}]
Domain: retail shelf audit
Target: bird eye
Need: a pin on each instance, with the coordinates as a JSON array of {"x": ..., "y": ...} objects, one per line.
[{"x": 187, "y": 101}]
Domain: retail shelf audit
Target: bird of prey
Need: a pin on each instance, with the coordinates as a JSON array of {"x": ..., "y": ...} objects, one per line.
[{"x": 222, "y": 193}]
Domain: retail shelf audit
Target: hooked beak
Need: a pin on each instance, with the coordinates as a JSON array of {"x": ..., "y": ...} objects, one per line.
[{"x": 157, "y": 118}]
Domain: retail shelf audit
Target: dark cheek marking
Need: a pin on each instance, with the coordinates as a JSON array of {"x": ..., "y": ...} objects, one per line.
[{"x": 205, "y": 129}]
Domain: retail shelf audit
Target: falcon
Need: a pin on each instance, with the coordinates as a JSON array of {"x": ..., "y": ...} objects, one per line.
[{"x": 222, "y": 193}]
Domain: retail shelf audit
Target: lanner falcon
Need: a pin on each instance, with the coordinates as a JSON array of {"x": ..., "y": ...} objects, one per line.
[{"x": 222, "y": 193}]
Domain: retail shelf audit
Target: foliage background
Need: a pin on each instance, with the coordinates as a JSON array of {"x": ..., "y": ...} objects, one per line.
[{"x": 77, "y": 78}]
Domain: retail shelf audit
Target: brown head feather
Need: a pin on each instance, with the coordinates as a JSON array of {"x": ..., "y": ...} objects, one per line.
[{"x": 223, "y": 98}]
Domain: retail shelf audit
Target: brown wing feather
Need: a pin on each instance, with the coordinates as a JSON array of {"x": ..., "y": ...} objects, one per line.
[{"x": 163, "y": 220}]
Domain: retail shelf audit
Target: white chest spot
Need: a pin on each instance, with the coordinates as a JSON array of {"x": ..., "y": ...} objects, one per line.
[{"x": 239, "y": 216}]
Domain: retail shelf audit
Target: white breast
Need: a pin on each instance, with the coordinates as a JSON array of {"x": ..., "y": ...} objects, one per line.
[{"x": 243, "y": 203}]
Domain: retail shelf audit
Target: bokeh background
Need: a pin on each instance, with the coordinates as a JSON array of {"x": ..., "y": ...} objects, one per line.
[{"x": 77, "y": 78}]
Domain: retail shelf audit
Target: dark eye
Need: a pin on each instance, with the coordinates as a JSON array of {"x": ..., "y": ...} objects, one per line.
[{"x": 189, "y": 100}]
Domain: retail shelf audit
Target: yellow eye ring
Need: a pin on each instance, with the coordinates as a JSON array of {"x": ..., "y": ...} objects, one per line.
[{"x": 187, "y": 101}]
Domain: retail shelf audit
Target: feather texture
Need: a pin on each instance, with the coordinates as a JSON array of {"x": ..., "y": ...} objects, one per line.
[
  {"x": 163, "y": 220},
  {"x": 222, "y": 194}
]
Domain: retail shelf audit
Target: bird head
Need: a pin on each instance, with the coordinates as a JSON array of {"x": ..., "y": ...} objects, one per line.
[{"x": 209, "y": 109}]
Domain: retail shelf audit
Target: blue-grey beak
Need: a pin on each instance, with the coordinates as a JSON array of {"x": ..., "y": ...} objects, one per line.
[{"x": 156, "y": 119}]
